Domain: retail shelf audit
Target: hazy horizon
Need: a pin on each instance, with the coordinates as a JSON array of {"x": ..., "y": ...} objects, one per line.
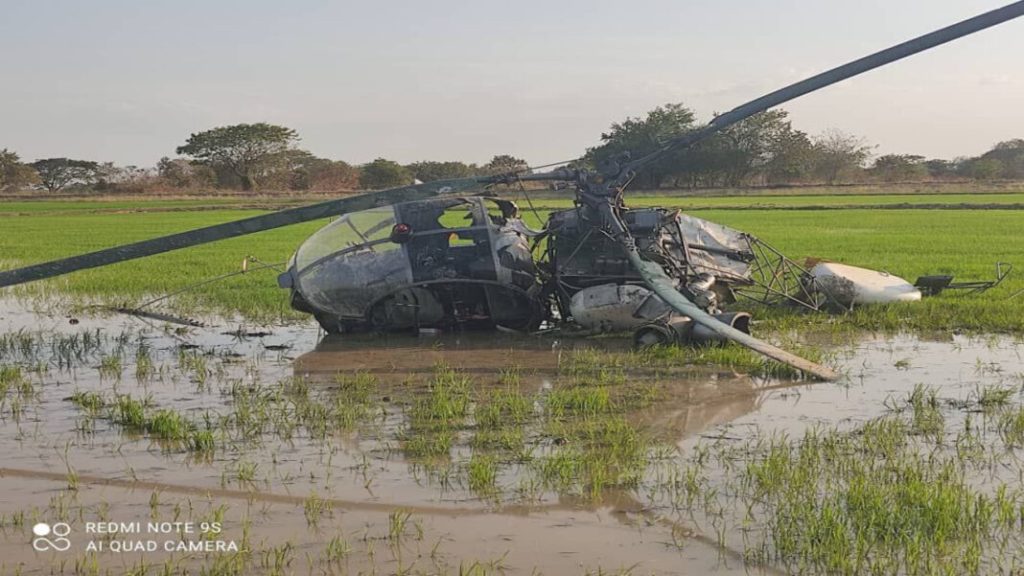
[{"x": 126, "y": 82}]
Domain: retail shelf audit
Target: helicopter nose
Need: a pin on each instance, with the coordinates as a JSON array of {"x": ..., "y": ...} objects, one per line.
[{"x": 285, "y": 280}]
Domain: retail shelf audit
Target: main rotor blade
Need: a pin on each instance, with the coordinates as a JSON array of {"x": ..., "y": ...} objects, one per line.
[
  {"x": 662, "y": 285},
  {"x": 238, "y": 228},
  {"x": 838, "y": 74}
]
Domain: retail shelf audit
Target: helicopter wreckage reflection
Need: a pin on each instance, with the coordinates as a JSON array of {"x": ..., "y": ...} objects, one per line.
[{"x": 693, "y": 399}]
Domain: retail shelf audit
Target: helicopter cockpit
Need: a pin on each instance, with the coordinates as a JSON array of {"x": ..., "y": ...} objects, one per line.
[{"x": 424, "y": 264}]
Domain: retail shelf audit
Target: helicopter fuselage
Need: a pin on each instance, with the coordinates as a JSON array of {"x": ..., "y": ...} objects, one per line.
[{"x": 429, "y": 264}]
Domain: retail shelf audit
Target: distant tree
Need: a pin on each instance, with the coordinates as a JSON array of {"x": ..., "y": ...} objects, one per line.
[
  {"x": 107, "y": 176},
  {"x": 130, "y": 178},
  {"x": 58, "y": 173},
  {"x": 503, "y": 164},
  {"x": 293, "y": 169},
  {"x": 183, "y": 173},
  {"x": 428, "y": 171},
  {"x": 246, "y": 151},
  {"x": 177, "y": 172},
  {"x": 983, "y": 168},
  {"x": 938, "y": 168},
  {"x": 837, "y": 154},
  {"x": 383, "y": 173},
  {"x": 705, "y": 164},
  {"x": 302, "y": 170},
  {"x": 1010, "y": 155},
  {"x": 335, "y": 177},
  {"x": 757, "y": 142},
  {"x": 899, "y": 167},
  {"x": 13, "y": 173},
  {"x": 792, "y": 157},
  {"x": 764, "y": 146},
  {"x": 640, "y": 136}
]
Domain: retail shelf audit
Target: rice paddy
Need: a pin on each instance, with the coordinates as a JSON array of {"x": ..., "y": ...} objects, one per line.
[{"x": 469, "y": 454}]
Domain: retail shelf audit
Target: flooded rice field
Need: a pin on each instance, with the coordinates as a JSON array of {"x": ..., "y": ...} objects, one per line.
[{"x": 132, "y": 446}]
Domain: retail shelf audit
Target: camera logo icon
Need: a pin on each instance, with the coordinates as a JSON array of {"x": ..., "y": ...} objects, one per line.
[{"x": 58, "y": 531}]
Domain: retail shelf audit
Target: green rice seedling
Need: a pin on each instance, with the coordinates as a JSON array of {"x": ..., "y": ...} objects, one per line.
[
  {"x": 970, "y": 444},
  {"x": 358, "y": 388},
  {"x": 314, "y": 507},
  {"x": 510, "y": 376},
  {"x": 884, "y": 437},
  {"x": 18, "y": 519},
  {"x": 111, "y": 367},
  {"x": 154, "y": 504},
  {"x": 507, "y": 438},
  {"x": 482, "y": 472},
  {"x": 994, "y": 396},
  {"x": 129, "y": 413},
  {"x": 729, "y": 355},
  {"x": 434, "y": 418},
  {"x": 134, "y": 416},
  {"x": 926, "y": 417},
  {"x": 194, "y": 364},
  {"x": 987, "y": 368},
  {"x": 594, "y": 367},
  {"x": 215, "y": 516},
  {"x": 870, "y": 502},
  {"x": 13, "y": 379},
  {"x": 201, "y": 441},
  {"x": 144, "y": 367},
  {"x": 579, "y": 401},
  {"x": 10, "y": 376},
  {"x": 398, "y": 522},
  {"x": 21, "y": 345},
  {"x": 276, "y": 560},
  {"x": 1011, "y": 427},
  {"x": 245, "y": 472},
  {"x": 338, "y": 549},
  {"x": 428, "y": 444},
  {"x": 92, "y": 402},
  {"x": 562, "y": 470},
  {"x": 169, "y": 425},
  {"x": 448, "y": 400},
  {"x": 595, "y": 454},
  {"x": 227, "y": 564},
  {"x": 503, "y": 408}
]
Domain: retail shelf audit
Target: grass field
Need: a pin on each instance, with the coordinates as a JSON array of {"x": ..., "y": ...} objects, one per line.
[
  {"x": 809, "y": 201},
  {"x": 905, "y": 242},
  {"x": 908, "y": 466},
  {"x": 691, "y": 200},
  {"x": 16, "y": 207}
]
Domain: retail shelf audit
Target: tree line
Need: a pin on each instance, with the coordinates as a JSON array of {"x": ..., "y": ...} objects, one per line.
[
  {"x": 763, "y": 150},
  {"x": 766, "y": 150}
]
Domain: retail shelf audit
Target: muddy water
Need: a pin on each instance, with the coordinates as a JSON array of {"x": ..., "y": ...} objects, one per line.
[{"x": 339, "y": 506}]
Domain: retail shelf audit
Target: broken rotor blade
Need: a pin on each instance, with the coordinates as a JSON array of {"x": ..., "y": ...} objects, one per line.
[
  {"x": 662, "y": 285},
  {"x": 238, "y": 228},
  {"x": 829, "y": 77}
]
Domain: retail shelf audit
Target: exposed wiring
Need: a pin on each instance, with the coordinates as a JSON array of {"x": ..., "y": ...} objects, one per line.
[{"x": 245, "y": 270}]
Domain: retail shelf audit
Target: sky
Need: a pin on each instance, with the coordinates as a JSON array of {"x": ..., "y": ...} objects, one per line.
[{"x": 128, "y": 81}]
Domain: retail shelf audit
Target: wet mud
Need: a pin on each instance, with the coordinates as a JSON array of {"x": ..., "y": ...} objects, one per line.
[{"x": 352, "y": 498}]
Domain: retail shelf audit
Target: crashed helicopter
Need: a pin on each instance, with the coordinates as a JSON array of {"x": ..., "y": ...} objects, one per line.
[
  {"x": 400, "y": 257},
  {"x": 470, "y": 261}
]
